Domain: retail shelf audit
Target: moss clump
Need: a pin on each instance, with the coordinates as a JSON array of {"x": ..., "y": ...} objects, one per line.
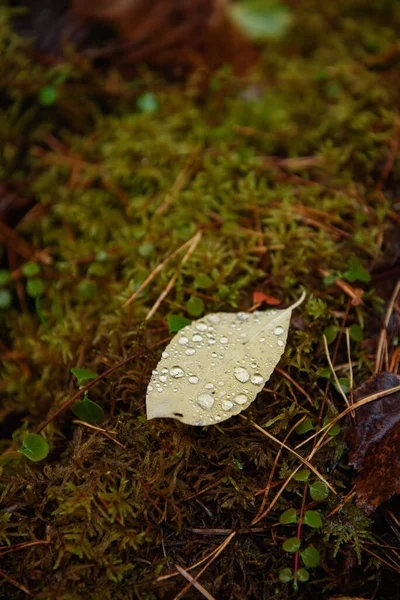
[{"x": 283, "y": 175}]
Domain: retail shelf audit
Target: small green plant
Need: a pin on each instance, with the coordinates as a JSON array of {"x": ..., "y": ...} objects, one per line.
[
  {"x": 34, "y": 447},
  {"x": 148, "y": 103},
  {"x": 310, "y": 556},
  {"x": 354, "y": 272},
  {"x": 195, "y": 306},
  {"x": 86, "y": 409},
  {"x": 177, "y": 322}
]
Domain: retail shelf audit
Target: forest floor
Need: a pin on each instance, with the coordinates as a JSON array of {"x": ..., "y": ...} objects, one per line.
[{"x": 230, "y": 196}]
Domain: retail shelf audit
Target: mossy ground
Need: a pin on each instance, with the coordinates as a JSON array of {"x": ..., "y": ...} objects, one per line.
[{"x": 118, "y": 190}]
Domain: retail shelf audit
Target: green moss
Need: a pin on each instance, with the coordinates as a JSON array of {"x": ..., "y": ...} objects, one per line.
[{"x": 121, "y": 189}]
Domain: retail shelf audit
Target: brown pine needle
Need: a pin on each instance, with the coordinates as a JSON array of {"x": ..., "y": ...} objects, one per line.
[
  {"x": 157, "y": 270},
  {"x": 296, "y": 385},
  {"x": 324, "y": 430},
  {"x": 216, "y": 553},
  {"x": 108, "y": 434},
  {"x": 195, "y": 240},
  {"x": 303, "y": 460},
  {"x": 334, "y": 372},
  {"x": 351, "y": 380},
  {"x": 382, "y": 344},
  {"x": 275, "y": 498},
  {"x": 15, "y": 583},
  {"x": 195, "y": 583},
  {"x": 272, "y": 473}
]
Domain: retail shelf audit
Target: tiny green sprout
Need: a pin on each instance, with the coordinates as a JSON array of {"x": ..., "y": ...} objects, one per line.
[
  {"x": 147, "y": 103},
  {"x": 288, "y": 517},
  {"x": 48, "y": 95},
  {"x": 34, "y": 447},
  {"x": 203, "y": 281},
  {"x": 87, "y": 289},
  {"x": 344, "y": 384},
  {"x": 334, "y": 430},
  {"x": 319, "y": 491},
  {"x": 146, "y": 249},
  {"x": 310, "y": 557},
  {"x": 305, "y": 426},
  {"x": 177, "y": 322},
  {"x": 97, "y": 269},
  {"x": 5, "y": 299},
  {"x": 286, "y": 575},
  {"x": 356, "y": 272},
  {"x": 292, "y": 544},
  {"x": 88, "y": 411},
  {"x": 195, "y": 306},
  {"x": 34, "y": 287},
  {"x": 330, "y": 333},
  {"x": 325, "y": 373},
  {"x": 82, "y": 375},
  {"x": 102, "y": 256},
  {"x": 303, "y": 575},
  {"x": 261, "y": 20},
  {"x": 239, "y": 464},
  {"x": 356, "y": 333},
  {"x": 313, "y": 519},
  {"x": 5, "y": 276},
  {"x": 302, "y": 475},
  {"x": 30, "y": 269},
  {"x": 330, "y": 279}
]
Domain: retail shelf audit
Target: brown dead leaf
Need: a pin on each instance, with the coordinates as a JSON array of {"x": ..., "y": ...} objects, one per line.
[
  {"x": 261, "y": 298},
  {"x": 374, "y": 440}
]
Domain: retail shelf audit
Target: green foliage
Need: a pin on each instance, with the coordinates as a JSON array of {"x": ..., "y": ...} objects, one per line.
[
  {"x": 203, "y": 281},
  {"x": 302, "y": 475},
  {"x": 286, "y": 575},
  {"x": 334, "y": 430},
  {"x": 289, "y": 516},
  {"x": 146, "y": 249},
  {"x": 177, "y": 322},
  {"x": 34, "y": 447},
  {"x": 305, "y": 426},
  {"x": 356, "y": 272},
  {"x": 195, "y": 306},
  {"x": 303, "y": 575},
  {"x": 319, "y": 491},
  {"x": 291, "y": 544},
  {"x": 313, "y": 519},
  {"x": 5, "y": 299},
  {"x": 350, "y": 526},
  {"x": 34, "y": 287},
  {"x": 262, "y": 19},
  {"x": 147, "y": 103},
  {"x": 87, "y": 290},
  {"x": 83, "y": 375},
  {"x": 5, "y": 276},
  {"x": 310, "y": 557},
  {"x": 344, "y": 384},
  {"x": 30, "y": 269},
  {"x": 356, "y": 333},
  {"x": 48, "y": 95},
  {"x": 276, "y": 165},
  {"x": 330, "y": 333},
  {"x": 88, "y": 411}
]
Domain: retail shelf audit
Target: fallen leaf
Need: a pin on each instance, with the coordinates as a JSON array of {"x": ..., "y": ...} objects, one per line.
[
  {"x": 261, "y": 298},
  {"x": 374, "y": 441},
  {"x": 215, "y": 367}
]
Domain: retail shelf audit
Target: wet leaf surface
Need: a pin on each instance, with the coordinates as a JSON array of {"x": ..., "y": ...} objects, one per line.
[
  {"x": 374, "y": 441},
  {"x": 215, "y": 367}
]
